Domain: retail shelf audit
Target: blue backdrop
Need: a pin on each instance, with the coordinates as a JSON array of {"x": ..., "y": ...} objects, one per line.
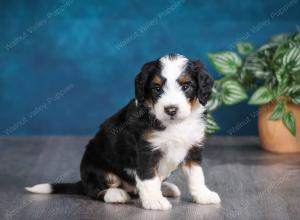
[{"x": 67, "y": 65}]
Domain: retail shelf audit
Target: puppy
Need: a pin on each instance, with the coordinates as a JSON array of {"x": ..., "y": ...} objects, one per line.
[{"x": 137, "y": 148}]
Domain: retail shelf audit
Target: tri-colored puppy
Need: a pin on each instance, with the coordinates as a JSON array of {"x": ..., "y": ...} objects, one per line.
[{"x": 137, "y": 148}]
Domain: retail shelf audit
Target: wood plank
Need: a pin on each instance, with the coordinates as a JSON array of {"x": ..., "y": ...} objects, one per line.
[{"x": 253, "y": 184}]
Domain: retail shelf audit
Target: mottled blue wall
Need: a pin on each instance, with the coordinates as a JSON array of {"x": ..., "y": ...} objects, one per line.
[{"x": 67, "y": 65}]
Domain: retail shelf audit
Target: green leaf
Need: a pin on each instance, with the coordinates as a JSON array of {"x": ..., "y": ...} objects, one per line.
[
  {"x": 281, "y": 75},
  {"x": 278, "y": 55},
  {"x": 278, "y": 111},
  {"x": 267, "y": 46},
  {"x": 244, "y": 48},
  {"x": 261, "y": 96},
  {"x": 232, "y": 92},
  {"x": 226, "y": 63},
  {"x": 293, "y": 90},
  {"x": 257, "y": 66},
  {"x": 296, "y": 99},
  {"x": 291, "y": 60},
  {"x": 290, "y": 122},
  {"x": 297, "y": 36},
  {"x": 211, "y": 126},
  {"x": 213, "y": 104},
  {"x": 280, "y": 38}
]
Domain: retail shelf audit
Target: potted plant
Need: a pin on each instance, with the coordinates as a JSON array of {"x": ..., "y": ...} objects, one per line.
[{"x": 271, "y": 74}]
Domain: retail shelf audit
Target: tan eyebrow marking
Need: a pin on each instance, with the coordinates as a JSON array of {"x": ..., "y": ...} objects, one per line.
[
  {"x": 185, "y": 78},
  {"x": 157, "y": 80}
]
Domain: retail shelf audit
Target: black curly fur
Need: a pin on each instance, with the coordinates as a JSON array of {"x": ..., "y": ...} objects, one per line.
[
  {"x": 141, "y": 79},
  {"x": 204, "y": 80}
]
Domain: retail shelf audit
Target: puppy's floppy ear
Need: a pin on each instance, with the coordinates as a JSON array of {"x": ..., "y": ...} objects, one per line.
[
  {"x": 141, "y": 80},
  {"x": 204, "y": 80}
]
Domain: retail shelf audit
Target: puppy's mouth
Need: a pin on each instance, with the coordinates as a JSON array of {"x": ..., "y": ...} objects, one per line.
[{"x": 172, "y": 118}]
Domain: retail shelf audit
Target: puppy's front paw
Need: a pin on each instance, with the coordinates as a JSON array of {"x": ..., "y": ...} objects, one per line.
[
  {"x": 206, "y": 197},
  {"x": 160, "y": 203}
]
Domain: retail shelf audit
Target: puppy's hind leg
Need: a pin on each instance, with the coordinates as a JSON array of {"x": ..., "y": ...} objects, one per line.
[
  {"x": 104, "y": 187},
  {"x": 170, "y": 190},
  {"x": 116, "y": 195},
  {"x": 94, "y": 185}
]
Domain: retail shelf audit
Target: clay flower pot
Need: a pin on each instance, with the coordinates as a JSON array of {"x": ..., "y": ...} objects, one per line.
[{"x": 274, "y": 136}]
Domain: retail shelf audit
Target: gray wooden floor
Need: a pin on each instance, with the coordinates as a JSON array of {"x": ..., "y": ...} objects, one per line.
[{"x": 252, "y": 184}]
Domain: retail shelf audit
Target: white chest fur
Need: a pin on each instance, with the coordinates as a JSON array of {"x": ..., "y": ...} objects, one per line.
[{"x": 175, "y": 141}]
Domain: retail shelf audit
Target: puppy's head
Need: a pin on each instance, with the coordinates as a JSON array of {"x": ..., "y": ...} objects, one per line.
[{"x": 173, "y": 87}]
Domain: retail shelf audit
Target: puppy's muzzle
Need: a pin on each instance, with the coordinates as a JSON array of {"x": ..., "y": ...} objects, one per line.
[{"x": 171, "y": 110}]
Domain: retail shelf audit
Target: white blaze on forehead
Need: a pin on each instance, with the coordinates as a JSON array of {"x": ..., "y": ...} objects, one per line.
[
  {"x": 171, "y": 69},
  {"x": 173, "y": 66}
]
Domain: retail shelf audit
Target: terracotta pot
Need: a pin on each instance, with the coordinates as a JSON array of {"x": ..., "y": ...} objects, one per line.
[{"x": 274, "y": 136}]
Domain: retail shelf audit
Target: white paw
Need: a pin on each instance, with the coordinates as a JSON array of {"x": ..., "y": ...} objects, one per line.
[
  {"x": 116, "y": 195},
  {"x": 160, "y": 203},
  {"x": 170, "y": 190},
  {"x": 206, "y": 197}
]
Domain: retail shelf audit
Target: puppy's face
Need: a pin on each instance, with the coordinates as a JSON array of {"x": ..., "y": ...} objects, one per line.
[{"x": 173, "y": 87}]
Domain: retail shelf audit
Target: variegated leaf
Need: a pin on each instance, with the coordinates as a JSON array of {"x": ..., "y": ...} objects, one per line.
[
  {"x": 293, "y": 89},
  {"x": 261, "y": 96},
  {"x": 257, "y": 66},
  {"x": 291, "y": 59},
  {"x": 290, "y": 122},
  {"x": 211, "y": 125},
  {"x": 267, "y": 46},
  {"x": 244, "y": 48},
  {"x": 278, "y": 111},
  {"x": 280, "y": 38},
  {"x": 226, "y": 62},
  {"x": 233, "y": 92},
  {"x": 213, "y": 104},
  {"x": 296, "y": 100}
]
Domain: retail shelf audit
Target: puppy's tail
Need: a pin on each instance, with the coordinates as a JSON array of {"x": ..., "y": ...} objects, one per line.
[{"x": 57, "y": 188}]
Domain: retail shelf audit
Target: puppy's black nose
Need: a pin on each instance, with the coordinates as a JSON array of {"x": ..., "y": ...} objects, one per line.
[{"x": 171, "y": 110}]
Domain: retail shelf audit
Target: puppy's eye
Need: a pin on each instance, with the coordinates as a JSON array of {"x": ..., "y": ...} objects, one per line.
[
  {"x": 157, "y": 89},
  {"x": 185, "y": 87}
]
